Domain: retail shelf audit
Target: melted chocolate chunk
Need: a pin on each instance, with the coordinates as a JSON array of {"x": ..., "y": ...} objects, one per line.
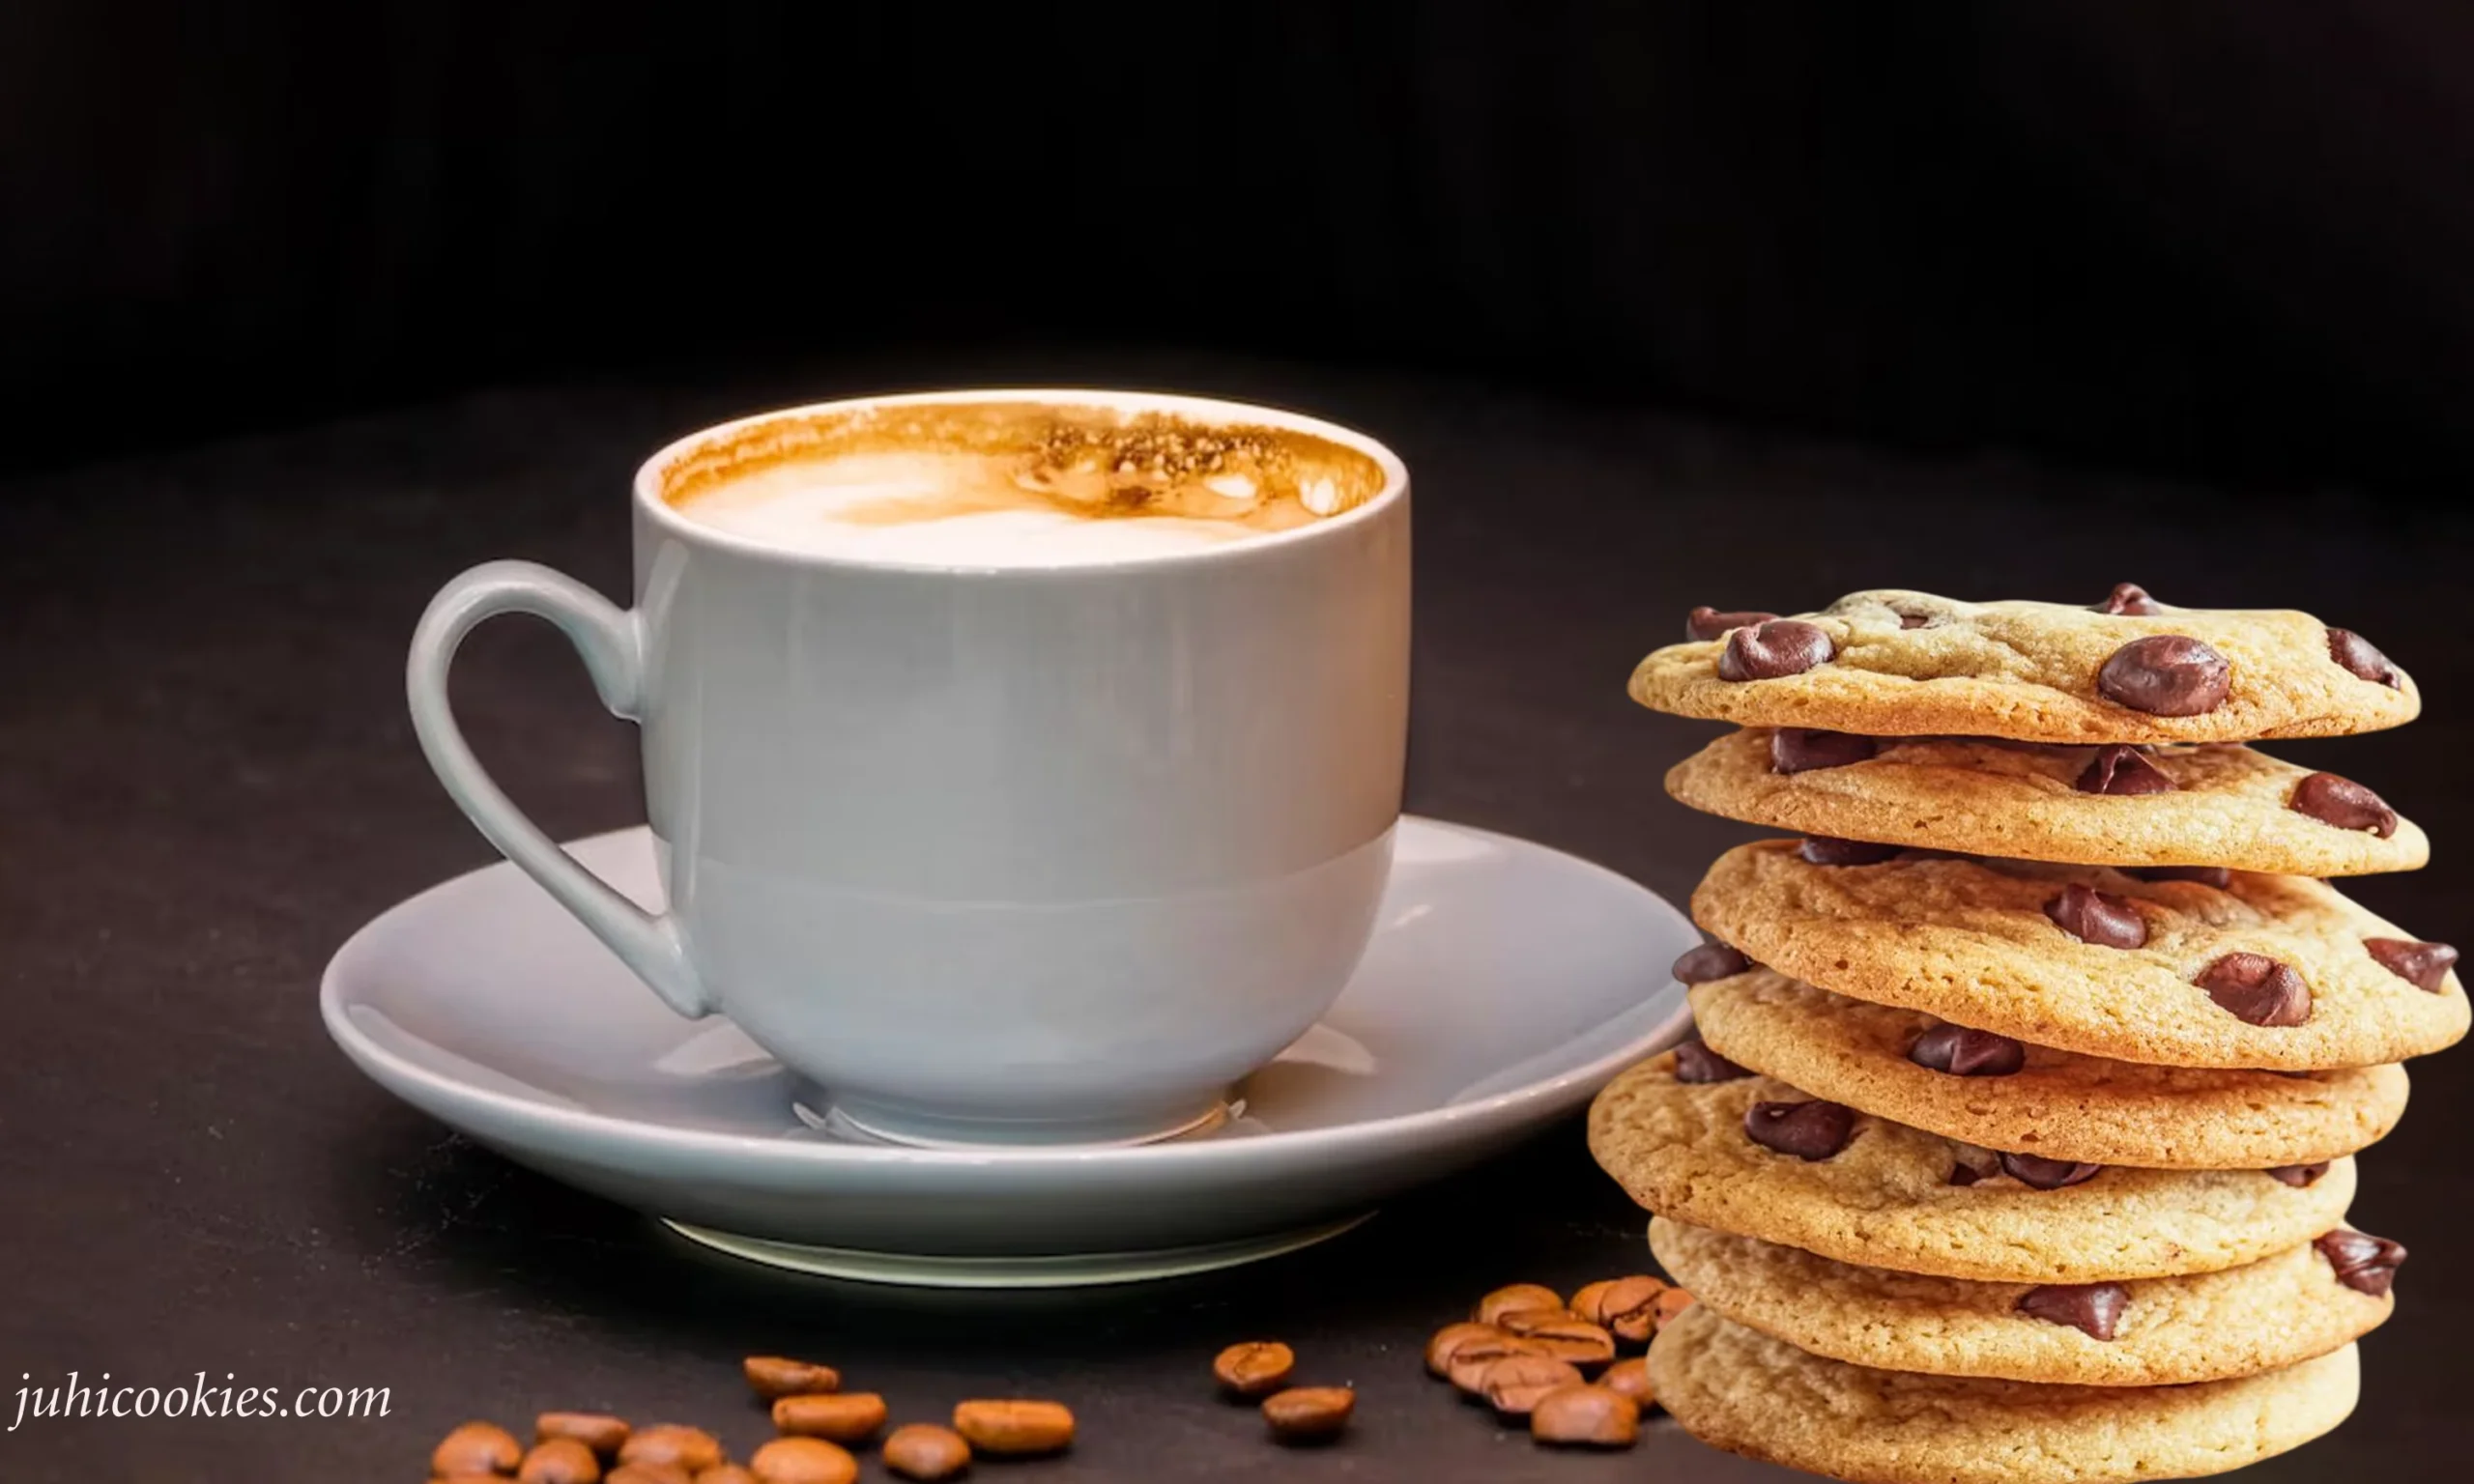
[
  {"x": 2361, "y": 656},
  {"x": 2342, "y": 803},
  {"x": 1695, "y": 1062},
  {"x": 1963, "y": 1174},
  {"x": 1782, "y": 646},
  {"x": 2129, "y": 598},
  {"x": 2257, "y": 989},
  {"x": 2096, "y": 916},
  {"x": 2424, "y": 966},
  {"x": 2364, "y": 1263},
  {"x": 1708, "y": 961},
  {"x": 2217, "y": 876},
  {"x": 2299, "y": 1175},
  {"x": 2094, "y": 1309},
  {"x": 1914, "y": 620},
  {"x": 1968, "y": 1053},
  {"x": 2123, "y": 770},
  {"x": 2038, "y": 1173},
  {"x": 2166, "y": 674},
  {"x": 1710, "y": 623},
  {"x": 1803, "y": 748},
  {"x": 1807, "y": 1131},
  {"x": 1829, "y": 850}
]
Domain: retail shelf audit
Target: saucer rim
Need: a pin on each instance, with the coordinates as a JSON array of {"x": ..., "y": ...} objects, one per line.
[{"x": 1568, "y": 1085}]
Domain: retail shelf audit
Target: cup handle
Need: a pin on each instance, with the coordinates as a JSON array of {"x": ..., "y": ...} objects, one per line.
[{"x": 612, "y": 643}]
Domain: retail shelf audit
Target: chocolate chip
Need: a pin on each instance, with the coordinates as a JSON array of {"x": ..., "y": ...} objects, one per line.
[
  {"x": 2361, "y": 656},
  {"x": 2042, "y": 1173},
  {"x": 2364, "y": 1263},
  {"x": 1829, "y": 851},
  {"x": 1708, "y": 961},
  {"x": 2094, "y": 1309},
  {"x": 2424, "y": 966},
  {"x": 1695, "y": 1062},
  {"x": 2217, "y": 876},
  {"x": 1912, "y": 620},
  {"x": 1801, "y": 749},
  {"x": 1964, "y": 1175},
  {"x": 2166, "y": 674},
  {"x": 1966, "y": 1053},
  {"x": 1781, "y": 646},
  {"x": 2342, "y": 803},
  {"x": 1710, "y": 623},
  {"x": 2096, "y": 916},
  {"x": 2257, "y": 989},
  {"x": 2122, "y": 770},
  {"x": 1807, "y": 1131},
  {"x": 2299, "y": 1175},
  {"x": 2129, "y": 598}
]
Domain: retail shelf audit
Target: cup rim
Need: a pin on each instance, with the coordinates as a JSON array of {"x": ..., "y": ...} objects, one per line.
[{"x": 649, "y": 475}]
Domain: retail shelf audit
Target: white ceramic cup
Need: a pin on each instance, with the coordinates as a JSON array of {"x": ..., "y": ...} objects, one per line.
[{"x": 1021, "y": 855}]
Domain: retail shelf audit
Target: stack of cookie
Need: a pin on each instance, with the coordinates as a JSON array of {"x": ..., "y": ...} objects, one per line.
[{"x": 2016, "y": 1145}]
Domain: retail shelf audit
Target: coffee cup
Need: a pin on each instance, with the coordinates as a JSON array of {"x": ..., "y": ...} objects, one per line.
[{"x": 1022, "y": 765}]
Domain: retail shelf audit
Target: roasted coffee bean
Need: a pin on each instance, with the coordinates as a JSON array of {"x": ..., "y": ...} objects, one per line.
[
  {"x": 2364, "y": 1263},
  {"x": 1630, "y": 1378},
  {"x": 2129, "y": 598},
  {"x": 1309, "y": 1414},
  {"x": 2123, "y": 771},
  {"x": 2166, "y": 674},
  {"x": 477, "y": 1447},
  {"x": 654, "y": 1473},
  {"x": 1450, "y": 1338},
  {"x": 775, "y": 1377},
  {"x": 2342, "y": 803},
  {"x": 559, "y": 1460},
  {"x": 1803, "y": 750},
  {"x": 1809, "y": 1131},
  {"x": 1472, "y": 1360},
  {"x": 1708, "y": 961},
  {"x": 1254, "y": 1368},
  {"x": 2424, "y": 966},
  {"x": 1526, "y": 1322},
  {"x": 2361, "y": 656},
  {"x": 1626, "y": 1307},
  {"x": 1585, "y": 1416},
  {"x": 925, "y": 1451},
  {"x": 1695, "y": 1062},
  {"x": 1968, "y": 1053},
  {"x": 1675, "y": 1301},
  {"x": 1014, "y": 1426},
  {"x": 1782, "y": 646},
  {"x": 2098, "y": 918},
  {"x": 726, "y": 1474},
  {"x": 2039, "y": 1173},
  {"x": 598, "y": 1431},
  {"x": 2257, "y": 989},
  {"x": 2299, "y": 1175},
  {"x": 1513, "y": 1385},
  {"x": 1710, "y": 623},
  {"x": 2096, "y": 1309},
  {"x": 1514, "y": 1297},
  {"x": 1828, "y": 850},
  {"x": 1566, "y": 1337},
  {"x": 839, "y": 1416},
  {"x": 802, "y": 1461},
  {"x": 691, "y": 1448}
]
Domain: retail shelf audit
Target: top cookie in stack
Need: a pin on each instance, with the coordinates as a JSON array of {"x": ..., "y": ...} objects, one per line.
[{"x": 2030, "y": 1075}]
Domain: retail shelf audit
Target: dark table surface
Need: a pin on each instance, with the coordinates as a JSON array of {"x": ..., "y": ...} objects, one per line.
[{"x": 207, "y": 780}]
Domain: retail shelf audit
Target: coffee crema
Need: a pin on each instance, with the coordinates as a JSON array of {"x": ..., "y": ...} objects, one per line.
[{"x": 1012, "y": 483}]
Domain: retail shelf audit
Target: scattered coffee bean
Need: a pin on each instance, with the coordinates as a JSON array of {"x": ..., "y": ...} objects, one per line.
[
  {"x": 1471, "y": 1363},
  {"x": 1809, "y": 1131},
  {"x": 1630, "y": 1378},
  {"x": 1585, "y": 1416},
  {"x": 2096, "y": 1309},
  {"x": 2217, "y": 876},
  {"x": 691, "y": 1448},
  {"x": 1781, "y": 646},
  {"x": 1565, "y": 1337},
  {"x": 2299, "y": 1175},
  {"x": 1526, "y": 1322},
  {"x": 1450, "y": 1338},
  {"x": 2123, "y": 771},
  {"x": 2098, "y": 918},
  {"x": 2359, "y": 655},
  {"x": 726, "y": 1474},
  {"x": 477, "y": 1447},
  {"x": 839, "y": 1416},
  {"x": 2342, "y": 803},
  {"x": 2424, "y": 966},
  {"x": 925, "y": 1451},
  {"x": 559, "y": 1460},
  {"x": 775, "y": 1377},
  {"x": 1513, "y": 1385},
  {"x": 1708, "y": 961},
  {"x": 802, "y": 1461},
  {"x": 2129, "y": 598},
  {"x": 1968, "y": 1053},
  {"x": 2257, "y": 989},
  {"x": 1514, "y": 1297},
  {"x": 1803, "y": 750},
  {"x": 651, "y": 1473},
  {"x": 1675, "y": 1301},
  {"x": 1707, "y": 624},
  {"x": 1626, "y": 1307},
  {"x": 2039, "y": 1173},
  {"x": 1828, "y": 850},
  {"x": 1014, "y": 1427},
  {"x": 1254, "y": 1368},
  {"x": 2166, "y": 674},
  {"x": 598, "y": 1431},
  {"x": 2364, "y": 1263},
  {"x": 1309, "y": 1414},
  {"x": 1695, "y": 1062}
]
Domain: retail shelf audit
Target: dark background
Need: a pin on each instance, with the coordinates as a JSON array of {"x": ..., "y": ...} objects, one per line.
[{"x": 304, "y": 309}]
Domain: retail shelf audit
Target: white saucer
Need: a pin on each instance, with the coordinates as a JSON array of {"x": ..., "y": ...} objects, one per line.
[{"x": 1506, "y": 984}]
